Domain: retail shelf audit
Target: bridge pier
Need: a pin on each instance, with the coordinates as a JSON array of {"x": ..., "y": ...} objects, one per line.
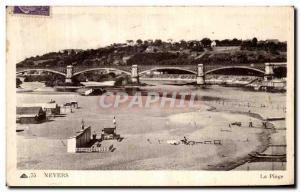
[
  {"x": 69, "y": 74},
  {"x": 200, "y": 75},
  {"x": 269, "y": 72},
  {"x": 134, "y": 74}
]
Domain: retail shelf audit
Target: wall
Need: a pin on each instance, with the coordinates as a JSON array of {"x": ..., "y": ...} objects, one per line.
[
  {"x": 83, "y": 138},
  {"x": 226, "y": 48},
  {"x": 28, "y": 120},
  {"x": 80, "y": 140},
  {"x": 71, "y": 146}
]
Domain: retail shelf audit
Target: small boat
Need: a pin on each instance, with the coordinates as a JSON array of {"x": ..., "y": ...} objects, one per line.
[{"x": 85, "y": 92}]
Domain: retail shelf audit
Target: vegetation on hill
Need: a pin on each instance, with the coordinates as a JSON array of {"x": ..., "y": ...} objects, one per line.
[
  {"x": 154, "y": 52},
  {"x": 159, "y": 52}
]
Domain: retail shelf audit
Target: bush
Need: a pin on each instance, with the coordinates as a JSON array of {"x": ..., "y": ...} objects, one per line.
[{"x": 18, "y": 82}]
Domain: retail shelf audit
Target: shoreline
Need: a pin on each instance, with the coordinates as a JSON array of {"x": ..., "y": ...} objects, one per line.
[
  {"x": 227, "y": 166},
  {"x": 264, "y": 137},
  {"x": 230, "y": 163}
]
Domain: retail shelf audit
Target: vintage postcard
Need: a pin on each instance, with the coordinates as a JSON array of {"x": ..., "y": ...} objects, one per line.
[{"x": 150, "y": 96}]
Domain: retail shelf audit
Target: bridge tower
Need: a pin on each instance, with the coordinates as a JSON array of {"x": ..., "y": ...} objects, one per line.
[
  {"x": 200, "y": 75},
  {"x": 268, "y": 71},
  {"x": 69, "y": 74},
  {"x": 134, "y": 74}
]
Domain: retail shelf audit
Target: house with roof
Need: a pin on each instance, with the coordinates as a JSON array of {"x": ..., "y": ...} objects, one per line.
[
  {"x": 153, "y": 49},
  {"x": 30, "y": 115},
  {"x": 49, "y": 108},
  {"x": 213, "y": 44},
  {"x": 80, "y": 140}
]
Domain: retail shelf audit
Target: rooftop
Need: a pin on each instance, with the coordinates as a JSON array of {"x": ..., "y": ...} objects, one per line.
[
  {"x": 28, "y": 110},
  {"x": 43, "y": 105}
]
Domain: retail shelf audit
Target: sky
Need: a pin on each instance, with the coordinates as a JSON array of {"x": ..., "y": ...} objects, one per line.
[{"x": 94, "y": 27}]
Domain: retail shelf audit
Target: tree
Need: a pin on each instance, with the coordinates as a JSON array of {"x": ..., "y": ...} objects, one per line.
[
  {"x": 235, "y": 42},
  {"x": 206, "y": 42},
  {"x": 254, "y": 42},
  {"x": 183, "y": 44},
  {"x": 157, "y": 42},
  {"x": 130, "y": 42},
  {"x": 18, "y": 82},
  {"x": 139, "y": 41},
  {"x": 146, "y": 43}
]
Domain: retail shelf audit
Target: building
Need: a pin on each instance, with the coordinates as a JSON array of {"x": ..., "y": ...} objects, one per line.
[
  {"x": 213, "y": 44},
  {"x": 277, "y": 83},
  {"x": 27, "y": 115},
  {"x": 80, "y": 140},
  {"x": 276, "y": 41},
  {"x": 49, "y": 108},
  {"x": 153, "y": 49},
  {"x": 109, "y": 133},
  {"x": 125, "y": 59}
]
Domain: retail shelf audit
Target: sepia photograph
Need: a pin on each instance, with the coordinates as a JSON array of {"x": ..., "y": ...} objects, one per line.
[{"x": 162, "y": 90}]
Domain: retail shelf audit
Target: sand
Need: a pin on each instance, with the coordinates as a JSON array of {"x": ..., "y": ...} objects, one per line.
[{"x": 145, "y": 132}]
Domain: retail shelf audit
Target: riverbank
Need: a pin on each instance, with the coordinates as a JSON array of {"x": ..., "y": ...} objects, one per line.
[
  {"x": 261, "y": 106},
  {"x": 145, "y": 132}
]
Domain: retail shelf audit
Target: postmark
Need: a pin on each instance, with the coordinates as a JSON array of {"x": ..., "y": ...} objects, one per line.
[{"x": 32, "y": 10}]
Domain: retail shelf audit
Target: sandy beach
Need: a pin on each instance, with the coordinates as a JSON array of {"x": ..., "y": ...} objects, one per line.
[{"x": 146, "y": 132}]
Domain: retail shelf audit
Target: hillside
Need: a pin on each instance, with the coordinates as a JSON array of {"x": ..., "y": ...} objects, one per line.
[{"x": 165, "y": 53}]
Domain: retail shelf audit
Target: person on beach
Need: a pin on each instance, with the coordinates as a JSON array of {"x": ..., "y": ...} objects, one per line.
[
  {"x": 82, "y": 124},
  {"x": 185, "y": 139},
  {"x": 264, "y": 123},
  {"x": 250, "y": 123}
]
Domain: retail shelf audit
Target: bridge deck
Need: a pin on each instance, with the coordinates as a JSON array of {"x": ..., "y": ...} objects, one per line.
[{"x": 143, "y": 68}]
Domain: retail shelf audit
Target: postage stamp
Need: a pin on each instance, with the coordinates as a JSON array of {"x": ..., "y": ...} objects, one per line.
[
  {"x": 150, "y": 96},
  {"x": 32, "y": 10}
]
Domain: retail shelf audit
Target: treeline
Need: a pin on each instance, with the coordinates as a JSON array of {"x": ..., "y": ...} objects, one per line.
[
  {"x": 274, "y": 47},
  {"x": 94, "y": 76},
  {"x": 241, "y": 57},
  {"x": 161, "y": 58},
  {"x": 162, "y": 52},
  {"x": 50, "y": 80},
  {"x": 254, "y": 44}
]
